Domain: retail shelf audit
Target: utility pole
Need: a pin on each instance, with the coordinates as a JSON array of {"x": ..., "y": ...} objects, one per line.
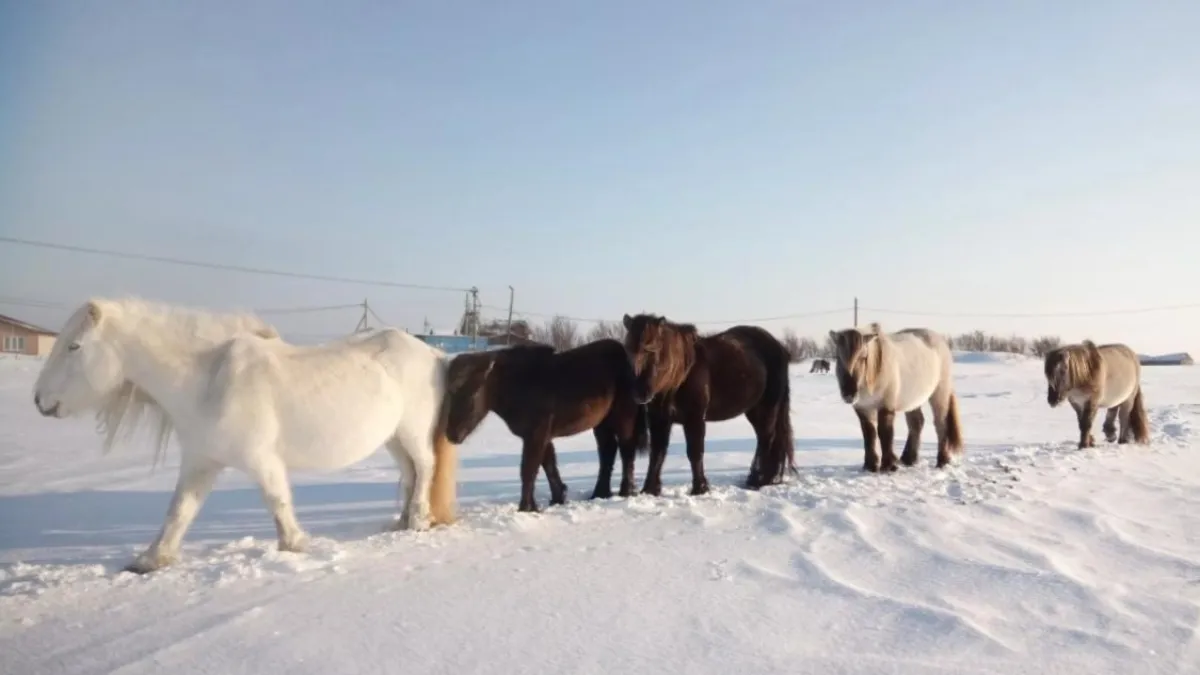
[
  {"x": 362, "y": 323},
  {"x": 475, "y": 318},
  {"x": 856, "y": 312},
  {"x": 508, "y": 329}
]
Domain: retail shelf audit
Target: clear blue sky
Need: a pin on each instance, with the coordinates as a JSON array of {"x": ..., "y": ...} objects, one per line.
[{"x": 706, "y": 160}]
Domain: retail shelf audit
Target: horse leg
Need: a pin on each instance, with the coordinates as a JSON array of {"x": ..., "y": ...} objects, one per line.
[
  {"x": 196, "y": 479},
  {"x": 693, "y": 433},
  {"x": 420, "y": 454},
  {"x": 1124, "y": 413},
  {"x": 886, "y": 420},
  {"x": 558, "y": 489},
  {"x": 1110, "y": 424},
  {"x": 271, "y": 475},
  {"x": 628, "y": 448},
  {"x": 606, "y": 447},
  {"x": 660, "y": 438},
  {"x": 408, "y": 475},
  {"x": 532, "y": 450},
  {"x": 762, "y": 419},
  {"x": 915, "y": 419},
  {"x": 866, "y": 420},
  {"x": 940, "y": 403},
  {"x": 1086, "y": 416}
]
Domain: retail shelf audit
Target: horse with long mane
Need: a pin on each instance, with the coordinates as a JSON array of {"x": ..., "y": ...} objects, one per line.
[
  {"x": 236, "y": 395},
  {"x": 542, "y": 394},
  {"x": 880, "y": 374},
  {"x": 1091, "y": 377},
  {"x": 694, "y": 380}
]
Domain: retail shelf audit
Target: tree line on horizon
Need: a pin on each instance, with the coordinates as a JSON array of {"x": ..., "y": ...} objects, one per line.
[{"x": 562, "y": 333}]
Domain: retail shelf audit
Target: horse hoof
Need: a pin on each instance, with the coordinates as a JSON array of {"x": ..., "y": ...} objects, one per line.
[
  {"x": 529, "y": 508},
  {"x": 889, "y": 468},
  {"x": 294, "y": 545},
  {"x": 602, "y": 495},
  {"x": 698, "y": 490},
  {"x": 145, "y": 564},
  {"x": 627, "y": 492},
  {"x": 652, "y": 491}
]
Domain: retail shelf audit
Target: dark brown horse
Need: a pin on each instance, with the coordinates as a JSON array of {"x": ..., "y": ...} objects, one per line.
[
  {"x": 541, "y": 395},
  {"x": 694, "y": 380}
]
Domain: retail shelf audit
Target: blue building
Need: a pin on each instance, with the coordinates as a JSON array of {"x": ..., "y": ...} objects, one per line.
[{"x": 455, "y": 344}]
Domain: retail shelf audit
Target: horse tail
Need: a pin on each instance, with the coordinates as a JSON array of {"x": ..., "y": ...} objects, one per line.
[
  {"x": 442, "y": 491},
  {"x": 954, "y": 439},
  {"x": 784, "y": 442},
  {"x": 1138, "y": 420},
  {"x": 779, "y": 455}
]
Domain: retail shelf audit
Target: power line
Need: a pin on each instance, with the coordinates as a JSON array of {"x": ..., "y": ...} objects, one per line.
[
  {"x": 1031, "y": 315},
  {"x": 709, "y": 322},
  {"x": 224, "y": 267},
  {"x": 50, "y": 304}
]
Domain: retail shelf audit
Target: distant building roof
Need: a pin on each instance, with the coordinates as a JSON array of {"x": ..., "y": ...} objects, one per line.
[
  {"x": 24, "y": 325},
  {"x": 1179, "y": 358}
]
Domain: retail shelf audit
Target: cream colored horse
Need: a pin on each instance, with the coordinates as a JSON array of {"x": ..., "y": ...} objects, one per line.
[
  {"x": 880, "y": 374},
  {"x": 238, "y": 396}
]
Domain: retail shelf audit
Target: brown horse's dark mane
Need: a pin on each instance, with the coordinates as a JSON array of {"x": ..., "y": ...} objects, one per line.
[{"x": 673, "y": 349}]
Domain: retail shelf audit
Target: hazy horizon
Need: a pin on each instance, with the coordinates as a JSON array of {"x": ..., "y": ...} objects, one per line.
[{"x": 950, "y": 164}]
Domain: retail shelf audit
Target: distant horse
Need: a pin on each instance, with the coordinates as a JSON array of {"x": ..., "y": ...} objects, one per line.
[
  {"x": 819, "y": 366},
  {"x": 541, "y": 395},
  {"x": 1090, "y": 378},
  {"x": 881, "y": 374},
  {"x": 238, "y": 396},
  {"x": 695, "y": 380}
]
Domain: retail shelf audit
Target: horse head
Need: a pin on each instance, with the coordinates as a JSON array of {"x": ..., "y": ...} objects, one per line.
[
  {"x": 466, "y": 400},
  {"x": 1070, "y": 367},
  {"x": 857, "y": 355},
  {"x": 662, "y": 352},
  {"x": 83, "y": 369}
]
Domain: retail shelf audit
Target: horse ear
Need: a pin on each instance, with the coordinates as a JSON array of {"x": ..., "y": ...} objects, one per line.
[
  {"x": 94, "y": 313},
  {"x": 628, "y": 321}
]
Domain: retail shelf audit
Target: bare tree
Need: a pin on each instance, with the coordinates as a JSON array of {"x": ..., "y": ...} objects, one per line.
[
  {"x": 829, "y": 348},
  {"x": 559, "y": 332},
  {"x": 799, "y": 348},
  {"x": 791, "y": 342},
  {"x": 607, "y": 329},
  {"x": 1044, "y": 344}
]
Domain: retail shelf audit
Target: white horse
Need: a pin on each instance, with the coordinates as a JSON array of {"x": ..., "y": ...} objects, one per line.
[
  {"x": 238, "y": 396},
  {"x": 880, "y": 374}
]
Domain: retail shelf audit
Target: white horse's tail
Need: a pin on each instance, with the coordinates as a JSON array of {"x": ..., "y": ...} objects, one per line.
[{"x": 442, "y": 493}]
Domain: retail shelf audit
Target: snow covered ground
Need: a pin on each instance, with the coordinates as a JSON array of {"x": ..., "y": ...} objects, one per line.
[{"x": 1028, "y": 557}]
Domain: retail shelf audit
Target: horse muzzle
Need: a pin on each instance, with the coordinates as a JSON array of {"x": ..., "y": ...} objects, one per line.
[
  {"x": 52, "y": 411},
  {"x": 1053, "y": 398}
]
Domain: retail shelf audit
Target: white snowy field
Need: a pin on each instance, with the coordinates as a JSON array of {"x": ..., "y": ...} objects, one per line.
[{"x": 1029, "y": 556}]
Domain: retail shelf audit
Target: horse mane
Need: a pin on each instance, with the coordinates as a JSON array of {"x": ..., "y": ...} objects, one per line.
[
  {"x": 130, "y": 406},
  {"x": 1084, "y": 363},
  {"x": 676, "y": 352},
  {"x": 856, "y": 340}
]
